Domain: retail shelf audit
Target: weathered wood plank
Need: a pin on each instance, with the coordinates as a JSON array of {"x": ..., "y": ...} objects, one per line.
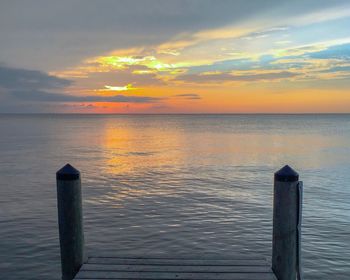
[
  {"x": 209, "y": 256},
  {"x": 83, "y": 274},
  {"x": 174, "y": 268},
  {"x": 163, "y": 267},
  {"x": 182, "y": 262},
  {"x": 238, "y": 277}
]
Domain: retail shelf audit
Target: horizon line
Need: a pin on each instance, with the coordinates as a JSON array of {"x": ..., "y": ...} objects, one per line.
[{"x": 130, "y": 114}]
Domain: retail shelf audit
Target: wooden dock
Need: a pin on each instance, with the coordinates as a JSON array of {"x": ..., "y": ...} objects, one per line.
[
  {"x": 286, "y": 237},
  {"x": 166, "y": 268}
]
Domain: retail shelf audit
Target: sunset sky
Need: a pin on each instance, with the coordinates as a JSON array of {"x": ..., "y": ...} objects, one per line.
[{"x": 180, "y": 56}]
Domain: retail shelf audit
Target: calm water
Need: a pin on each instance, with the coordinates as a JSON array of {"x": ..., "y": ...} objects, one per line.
[{"x": 179, "y": 184}]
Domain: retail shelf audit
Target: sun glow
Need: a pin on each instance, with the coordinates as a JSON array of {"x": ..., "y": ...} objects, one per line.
[{"x": 117, "y": 88}]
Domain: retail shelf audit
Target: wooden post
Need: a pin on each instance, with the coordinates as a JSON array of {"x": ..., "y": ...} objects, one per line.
[
  {"x": 285, "y": 222},
  {"x": 70, "y": 220}
]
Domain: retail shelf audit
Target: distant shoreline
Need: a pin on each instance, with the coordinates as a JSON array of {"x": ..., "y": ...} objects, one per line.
[{"x": 177, "y": 114}]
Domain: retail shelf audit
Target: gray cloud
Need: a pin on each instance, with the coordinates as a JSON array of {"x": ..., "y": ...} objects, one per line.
[
  {"x": 51, "y": 35},
  {"x": 18, "y": 79},
  {"x": 220, "y": 77},
  {"x": 192, "y": 96},
  {"x": 23, "y": 90},
  {"x": 43, "y": 96},
  {"x": 265, "y": 33}
]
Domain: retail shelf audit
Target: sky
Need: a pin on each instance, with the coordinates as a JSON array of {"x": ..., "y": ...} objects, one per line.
[{"x": 184, "y": 56}]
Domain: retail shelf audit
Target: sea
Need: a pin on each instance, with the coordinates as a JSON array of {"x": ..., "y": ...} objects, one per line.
[{"x": 173, "y": 184}]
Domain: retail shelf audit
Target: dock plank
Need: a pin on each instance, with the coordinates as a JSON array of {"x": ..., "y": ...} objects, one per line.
[
  {"x": 182, "y": 262},
  {"x": 174, "y": 268},
  {"x": 165, "y": 275},
  {"x": 203, "y": 256},
  {"x": 153, "y": 268}
]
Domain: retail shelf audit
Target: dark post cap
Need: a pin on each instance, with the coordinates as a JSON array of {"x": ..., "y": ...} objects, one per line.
[
  {"x": 286, "y": 174},
  {"x": 67, "y": 173}
]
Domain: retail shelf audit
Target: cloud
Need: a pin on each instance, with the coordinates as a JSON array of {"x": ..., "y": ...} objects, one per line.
[
  {"x": 160, "y": 46},
  {"x": 17, "y": 79},
  {"x": 265, "y": 33},
  {"x": 57, "y": 35},
  {"x": 128, "y": 76},
  {"x": 99, "y": 77},
  {"x": 220, "y": 77},
  {"x": 43, "y": 96},
  {"x": 337, "y": 52},
  {"x": 23, "y": 90},
  {"x": 345, "y": 69},
  {"x": 192, "y": 96},
  {"x": 60, "y": 34}
]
